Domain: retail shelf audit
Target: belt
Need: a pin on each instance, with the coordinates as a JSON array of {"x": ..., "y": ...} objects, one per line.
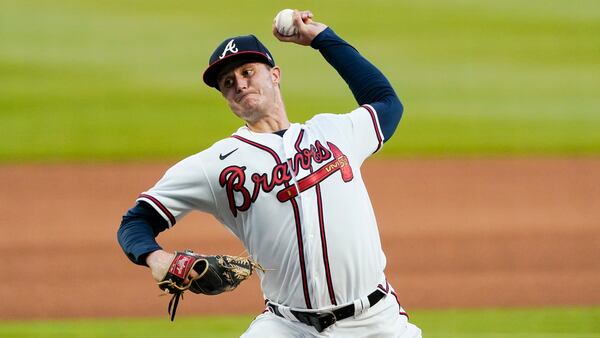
[{"x": 324, "y": 319}]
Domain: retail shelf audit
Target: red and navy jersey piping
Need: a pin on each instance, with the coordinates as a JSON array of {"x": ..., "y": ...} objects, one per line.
[
  {"x": 160, "y": 206},
  {"x": 375, "y": 126}
]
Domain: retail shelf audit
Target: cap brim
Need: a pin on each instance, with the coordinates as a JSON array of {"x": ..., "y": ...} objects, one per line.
[{"x": 213, "y": 70}]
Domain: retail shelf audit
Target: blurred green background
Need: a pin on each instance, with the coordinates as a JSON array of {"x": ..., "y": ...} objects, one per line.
[{"x": 121, "y": 80}]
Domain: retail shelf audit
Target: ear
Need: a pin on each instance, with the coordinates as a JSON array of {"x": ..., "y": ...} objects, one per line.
[{"x": 276, "y": 75}]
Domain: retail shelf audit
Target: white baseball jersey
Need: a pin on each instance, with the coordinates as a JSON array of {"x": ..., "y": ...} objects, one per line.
[{"x": 298, "y": 203}]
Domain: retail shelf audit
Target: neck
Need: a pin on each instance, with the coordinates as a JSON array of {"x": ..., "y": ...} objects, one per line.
[{"x": 269, "y": 124}]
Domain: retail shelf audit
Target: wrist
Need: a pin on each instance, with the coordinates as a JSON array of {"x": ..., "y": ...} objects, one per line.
[
  {"x": 320, "y": 39},
  {"x": 159, "y": 261},
  {"x": 156, "y": 257}
]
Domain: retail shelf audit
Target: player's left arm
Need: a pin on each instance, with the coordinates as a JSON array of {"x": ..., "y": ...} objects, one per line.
[{"x": 367, "y": 83}]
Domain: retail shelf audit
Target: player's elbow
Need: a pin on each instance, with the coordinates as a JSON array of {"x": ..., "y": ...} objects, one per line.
[
  {"x": 398, "y": 108},
  {"x": 391, "y": 112}
]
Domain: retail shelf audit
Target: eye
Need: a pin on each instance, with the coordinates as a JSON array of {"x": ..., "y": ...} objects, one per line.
[
  {"x": 227, "y": 82},
  {"x": 248, "y": 72}
]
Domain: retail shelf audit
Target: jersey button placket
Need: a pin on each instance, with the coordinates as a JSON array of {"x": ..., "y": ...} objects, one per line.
[
  {"x": 303, "y": 199},
  {"x": 310, "y": 244}
]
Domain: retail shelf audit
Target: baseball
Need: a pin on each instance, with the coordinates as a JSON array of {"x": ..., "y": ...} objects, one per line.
[{"x": 284, "y": 23}]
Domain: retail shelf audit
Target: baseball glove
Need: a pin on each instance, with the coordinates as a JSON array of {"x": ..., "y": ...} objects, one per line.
[{"x": 216, "y": 274}]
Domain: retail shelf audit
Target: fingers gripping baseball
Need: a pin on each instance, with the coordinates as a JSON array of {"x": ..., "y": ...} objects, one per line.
[{"x": 306, "y": 28}]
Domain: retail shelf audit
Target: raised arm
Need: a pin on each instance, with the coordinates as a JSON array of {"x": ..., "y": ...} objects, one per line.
[{"x": 367, "y": 83}]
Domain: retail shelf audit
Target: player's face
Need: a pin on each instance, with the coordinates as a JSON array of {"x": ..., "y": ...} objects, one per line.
[{"x": 251, "y": 89}]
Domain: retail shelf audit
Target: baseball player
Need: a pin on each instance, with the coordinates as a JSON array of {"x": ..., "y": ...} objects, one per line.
[{"x": 291, "y": 192}]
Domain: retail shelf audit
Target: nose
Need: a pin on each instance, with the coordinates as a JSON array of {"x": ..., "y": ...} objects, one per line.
[{"x": 241, "y": 82}]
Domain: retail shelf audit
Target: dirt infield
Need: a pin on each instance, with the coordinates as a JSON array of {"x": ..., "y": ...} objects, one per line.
[{"x": 457, "y": 233}]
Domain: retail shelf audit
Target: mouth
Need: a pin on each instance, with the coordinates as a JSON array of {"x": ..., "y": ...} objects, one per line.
[{"x": 241, "y": 97}]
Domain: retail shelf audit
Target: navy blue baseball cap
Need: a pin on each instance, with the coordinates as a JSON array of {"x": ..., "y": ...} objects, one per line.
[{"x": 245, "y": 48}]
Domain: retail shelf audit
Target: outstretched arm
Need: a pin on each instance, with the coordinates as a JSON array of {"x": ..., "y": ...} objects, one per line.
[{"x": 367, "y": 83}]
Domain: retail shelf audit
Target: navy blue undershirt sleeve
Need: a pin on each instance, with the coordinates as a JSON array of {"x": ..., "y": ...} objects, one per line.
[
  {"x": 139, "y": 227},
  {"x": 367, "y": 83}
]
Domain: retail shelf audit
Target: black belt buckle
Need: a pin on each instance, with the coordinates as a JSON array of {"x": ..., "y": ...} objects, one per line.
[{"x": 320, "y": 321}]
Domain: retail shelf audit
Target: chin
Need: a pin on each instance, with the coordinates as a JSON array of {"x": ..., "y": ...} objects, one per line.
[
  {"x": 248, "y": 115},
  {"x": 250, "y": 109}
]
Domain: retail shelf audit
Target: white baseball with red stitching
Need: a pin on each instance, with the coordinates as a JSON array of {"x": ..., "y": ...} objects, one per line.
[{"x": 284, "y": 22}]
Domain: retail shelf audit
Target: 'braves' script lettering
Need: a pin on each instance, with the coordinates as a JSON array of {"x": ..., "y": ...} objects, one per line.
[{"x": 233, "y": 177}]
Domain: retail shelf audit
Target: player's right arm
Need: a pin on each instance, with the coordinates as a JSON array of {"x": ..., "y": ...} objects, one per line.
[
  {"x": 137, "y": 236},
  {"x": 139, "y": 228},
  {"x": 183, "y": 188}
]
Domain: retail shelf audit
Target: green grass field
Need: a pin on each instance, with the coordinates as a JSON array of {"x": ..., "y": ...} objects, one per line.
[
  {"x": 121, "y": 80},
  {"x": 509, "y": 323}
]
